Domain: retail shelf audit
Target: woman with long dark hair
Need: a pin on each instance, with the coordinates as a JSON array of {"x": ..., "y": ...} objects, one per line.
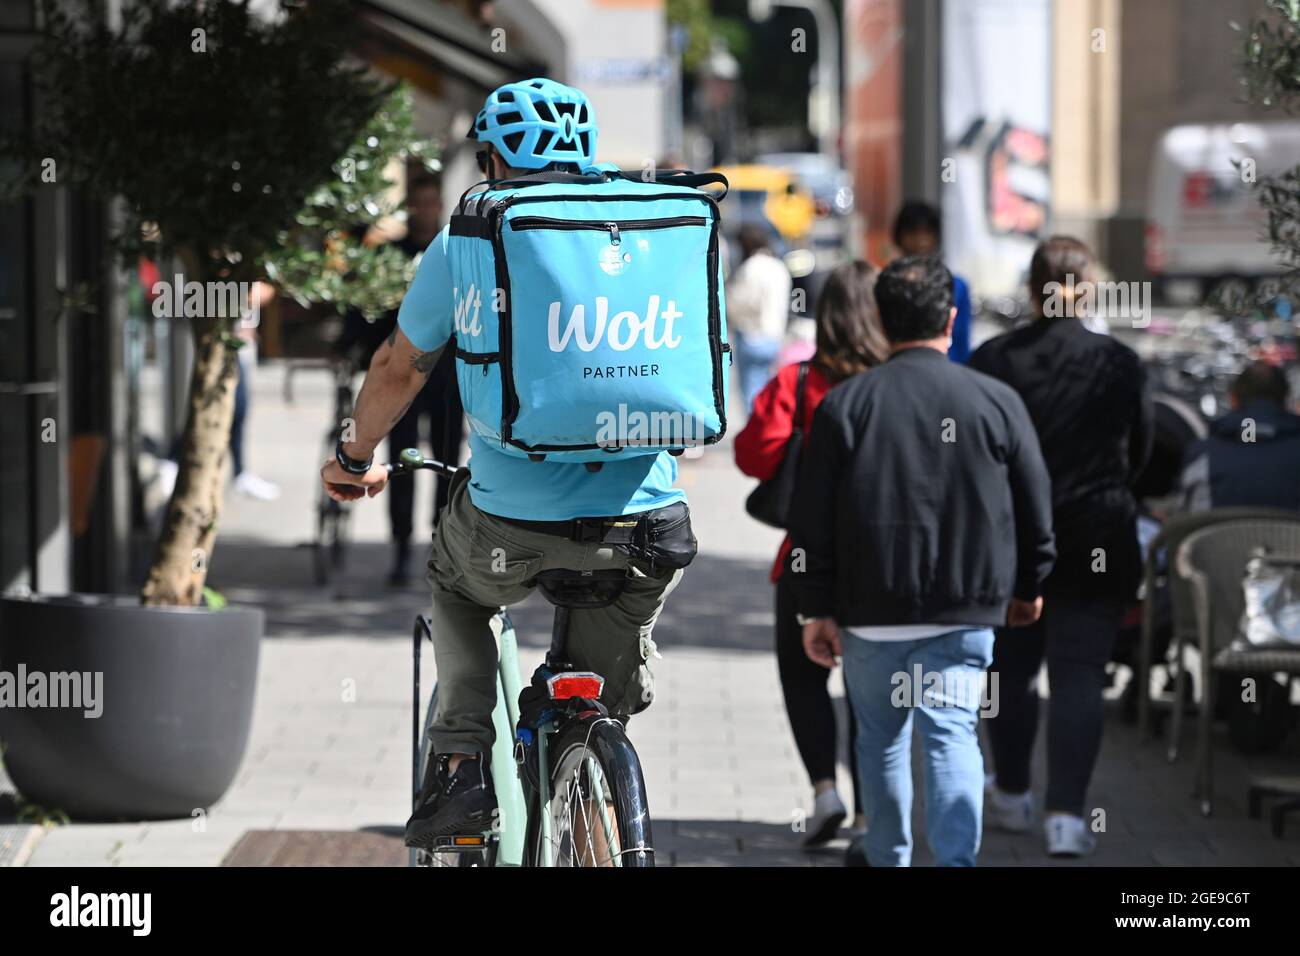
[
  {"x": 1087, "y": 396},
  {"x": 849, "y": 341}
]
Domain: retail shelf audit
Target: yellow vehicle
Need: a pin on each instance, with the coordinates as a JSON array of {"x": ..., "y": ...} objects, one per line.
[{"x": 771, "y": 195}]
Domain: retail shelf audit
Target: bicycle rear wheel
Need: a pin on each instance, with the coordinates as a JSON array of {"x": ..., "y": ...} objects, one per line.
[{"x": 598, "y": 812}]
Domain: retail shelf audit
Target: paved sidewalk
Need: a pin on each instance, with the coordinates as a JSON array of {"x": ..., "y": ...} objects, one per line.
[{"x": 330, "y": 747}]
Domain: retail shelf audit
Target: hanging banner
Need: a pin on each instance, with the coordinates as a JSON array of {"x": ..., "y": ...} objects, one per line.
[
  {"x": 997, "y": 101},
  {"x": 873, "y": 118}
]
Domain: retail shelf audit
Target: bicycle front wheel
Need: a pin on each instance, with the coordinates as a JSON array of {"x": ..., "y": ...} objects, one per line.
[{"x": 598, "y": 813}]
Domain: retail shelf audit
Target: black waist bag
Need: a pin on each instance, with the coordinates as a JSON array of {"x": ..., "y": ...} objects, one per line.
[
  {"x": 663, "y": 539},
  {"x": 770, "y": 502}
]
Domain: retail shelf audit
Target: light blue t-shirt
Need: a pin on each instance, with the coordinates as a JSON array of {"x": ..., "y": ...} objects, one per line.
[{"x": 512, "y": 487}]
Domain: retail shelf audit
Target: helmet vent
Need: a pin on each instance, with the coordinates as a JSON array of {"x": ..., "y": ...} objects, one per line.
[
  {"x": 514, "y": 116},
  {"x": 506, "y": 96},
  {"x": 513, "y": 140}
]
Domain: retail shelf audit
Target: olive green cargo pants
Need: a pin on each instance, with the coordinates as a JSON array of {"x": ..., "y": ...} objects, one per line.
[{"x": 479, "y": 564}]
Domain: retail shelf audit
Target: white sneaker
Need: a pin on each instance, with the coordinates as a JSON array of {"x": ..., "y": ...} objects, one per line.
[
  {"x": 824, "y": 823},
  {"x": 254, "y": 486},
  {"x": 1068, "y": 836},
  {"x": 1011, "y": 812}
]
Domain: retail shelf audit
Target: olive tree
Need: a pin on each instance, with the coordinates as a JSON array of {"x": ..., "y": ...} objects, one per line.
[{"x": 241, "y": 145}]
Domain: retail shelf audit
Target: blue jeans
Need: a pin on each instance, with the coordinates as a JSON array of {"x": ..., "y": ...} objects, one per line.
[
  {"x": 939, "y": 679},
  {"x": 241, "y": 412},
  {"x": 754, "y": 357}
]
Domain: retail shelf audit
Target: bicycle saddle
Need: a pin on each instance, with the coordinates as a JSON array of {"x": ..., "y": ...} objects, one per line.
[{"x": 581, "y": 589}]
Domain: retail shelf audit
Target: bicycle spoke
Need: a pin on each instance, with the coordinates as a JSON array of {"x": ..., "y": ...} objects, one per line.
[
  {"x": 594, "y": 775},
  {"x": 584, "y": 825}
]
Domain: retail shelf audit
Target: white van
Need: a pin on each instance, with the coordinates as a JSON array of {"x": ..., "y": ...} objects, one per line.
[{"x": 1204, "y": 220}]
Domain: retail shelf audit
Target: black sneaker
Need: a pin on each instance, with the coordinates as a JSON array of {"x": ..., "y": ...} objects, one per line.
[{"x": 453, "y": 804}]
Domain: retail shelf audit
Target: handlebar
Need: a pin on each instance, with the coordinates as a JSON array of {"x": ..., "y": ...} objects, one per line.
[{"x": 411, "y": 461}]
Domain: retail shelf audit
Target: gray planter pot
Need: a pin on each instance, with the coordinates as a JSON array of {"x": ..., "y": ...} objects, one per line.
[{"x": 173, "y": 686}]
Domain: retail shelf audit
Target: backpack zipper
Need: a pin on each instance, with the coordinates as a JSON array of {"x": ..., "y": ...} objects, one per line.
[{"x": 613, "y": 227}]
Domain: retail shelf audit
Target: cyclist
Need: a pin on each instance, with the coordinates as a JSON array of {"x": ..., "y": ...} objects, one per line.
[{"x": 509, "y": 518}]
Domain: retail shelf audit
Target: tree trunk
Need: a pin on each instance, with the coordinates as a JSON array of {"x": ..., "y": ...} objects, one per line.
[{"x": 180, "y": 564}]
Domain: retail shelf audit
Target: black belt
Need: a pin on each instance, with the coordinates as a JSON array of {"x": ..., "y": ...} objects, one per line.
[{"x": 613, "y": 530}]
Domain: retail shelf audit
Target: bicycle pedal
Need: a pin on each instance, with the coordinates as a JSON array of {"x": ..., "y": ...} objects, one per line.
[{"x": 462, "y": 843}]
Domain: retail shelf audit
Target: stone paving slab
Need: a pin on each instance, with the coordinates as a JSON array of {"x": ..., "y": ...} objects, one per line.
[
  {"x": 17, "y": 841},
  {"x": 298, "y": 848}
]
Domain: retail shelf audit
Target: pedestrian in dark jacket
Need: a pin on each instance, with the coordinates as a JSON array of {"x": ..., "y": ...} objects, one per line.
[
  {"x": 918, "y": 231},
  {"x": 1087, "y": 396},
  {"x": 849, "y": 341},
  {"x": 922, "y": 519},
  {"x": 1251, "y": 458},
  {"x": 438, "y": 404}
]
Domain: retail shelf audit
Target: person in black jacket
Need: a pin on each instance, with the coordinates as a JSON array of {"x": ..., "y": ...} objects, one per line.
[
  {"x": 1251, "y": 458},
  {"x": 1088, "y": 399},
  {"x": 922, "y": 519},
  {"x": 438, "y": 403}
]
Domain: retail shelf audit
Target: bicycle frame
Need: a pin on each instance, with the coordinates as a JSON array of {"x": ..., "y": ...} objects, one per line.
[
  {"x": 512, "y": 809},
  {"x": 510, "y": 828}
]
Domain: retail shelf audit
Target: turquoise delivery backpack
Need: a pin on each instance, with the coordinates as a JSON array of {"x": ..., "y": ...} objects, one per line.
[{"x": 589, "y": 315}]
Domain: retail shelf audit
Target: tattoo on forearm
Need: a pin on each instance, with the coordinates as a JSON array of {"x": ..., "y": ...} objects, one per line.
[{"x": 424, "y": 362}]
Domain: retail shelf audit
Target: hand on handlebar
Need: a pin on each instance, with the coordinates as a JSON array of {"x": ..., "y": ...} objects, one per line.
[{"x": 342, "y": 486}]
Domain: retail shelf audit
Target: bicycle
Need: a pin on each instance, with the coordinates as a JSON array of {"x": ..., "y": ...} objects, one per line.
[
  {"x": 330, "y": 543},
  {"x": 588, "y": 807}
]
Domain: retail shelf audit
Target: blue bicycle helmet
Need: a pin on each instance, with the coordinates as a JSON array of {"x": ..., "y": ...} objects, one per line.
[{"x": 534, "y": 123}]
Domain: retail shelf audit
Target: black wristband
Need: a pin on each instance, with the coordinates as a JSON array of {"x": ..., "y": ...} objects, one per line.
[{"x": 351, "y": 465}]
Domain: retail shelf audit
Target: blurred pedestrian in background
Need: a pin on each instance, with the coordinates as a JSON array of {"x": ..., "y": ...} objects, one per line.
[
  {"x": 758, "y": 307},
  {"x": 923, "y": 511},
  {"x": 849, "y": 340},
  {"x": 245, "y": 481},
  {"x": 918, "y": 231},
  {"x": 1251, "y": 458},
  {"x": 438, "y": 403},
  {"x": 1088, "y": 399}
]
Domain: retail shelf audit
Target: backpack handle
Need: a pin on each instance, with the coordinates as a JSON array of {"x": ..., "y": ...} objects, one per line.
[
  {"x": 669, "y": 177},
  {"x": 529, "y": 179},
  {"x": 680, "y": 177},
  {"x": 548, "y": 176}
]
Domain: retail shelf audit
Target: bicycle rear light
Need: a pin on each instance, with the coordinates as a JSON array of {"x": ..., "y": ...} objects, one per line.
[{"x": 582, "y": 684}]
